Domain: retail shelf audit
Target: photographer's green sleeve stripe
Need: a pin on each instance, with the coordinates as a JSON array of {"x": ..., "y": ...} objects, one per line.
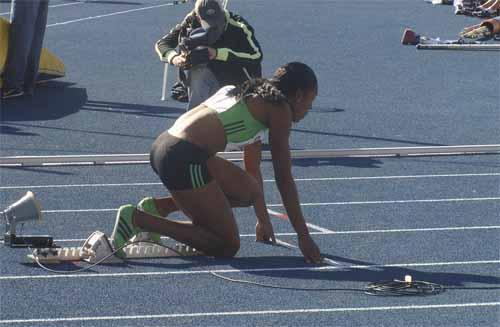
[{"x": 223, "y": 53}]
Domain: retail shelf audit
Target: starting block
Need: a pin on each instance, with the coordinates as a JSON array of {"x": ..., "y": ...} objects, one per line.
[{"x": 98, "y": 248}]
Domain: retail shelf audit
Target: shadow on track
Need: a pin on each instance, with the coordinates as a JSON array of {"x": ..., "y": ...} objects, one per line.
[
  {"x": 51, "y": 101},
  {"x": 364, "y": 137},
  {"x": 133, "y": 109},
  {"x": 348, "y": 270},
  {"x": 347, "y": 162}
]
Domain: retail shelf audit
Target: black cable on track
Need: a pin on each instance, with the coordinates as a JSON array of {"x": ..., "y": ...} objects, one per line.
[{"x": 403, "y": 288}]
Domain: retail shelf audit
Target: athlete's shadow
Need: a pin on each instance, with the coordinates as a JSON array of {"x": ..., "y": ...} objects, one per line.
[
  {"x": 358, "y": 162},
  {"x": 349, "y": 270},
  {"x": 279, "y": 270}
]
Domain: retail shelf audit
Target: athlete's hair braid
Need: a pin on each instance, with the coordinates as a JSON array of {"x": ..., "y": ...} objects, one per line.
[
  {"x": 286, "y": 81},
  {"x": 293, "y": 77},
  {"x": 260, "y": 87}
]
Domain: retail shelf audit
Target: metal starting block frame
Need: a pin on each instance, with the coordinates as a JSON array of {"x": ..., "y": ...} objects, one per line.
[
  {"x": 464, "y": 47},
  {"x": 98, "y": 248}
]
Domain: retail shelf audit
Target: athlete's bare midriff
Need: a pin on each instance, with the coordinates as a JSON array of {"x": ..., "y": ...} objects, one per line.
[{"x": 201, "y": 125}]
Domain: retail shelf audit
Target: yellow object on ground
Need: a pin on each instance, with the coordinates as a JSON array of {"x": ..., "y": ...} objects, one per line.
[{"x": 50, "y": 65}]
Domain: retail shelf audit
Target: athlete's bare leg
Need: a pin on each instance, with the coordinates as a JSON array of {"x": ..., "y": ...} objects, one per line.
[
  {"x": 213, "y": 229},
  {"x": 240, "y": 188}
]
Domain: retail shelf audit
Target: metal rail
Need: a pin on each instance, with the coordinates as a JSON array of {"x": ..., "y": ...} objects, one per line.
[
  {"x": 470, "y": 47},
  {"x": 117, "y": 159}
]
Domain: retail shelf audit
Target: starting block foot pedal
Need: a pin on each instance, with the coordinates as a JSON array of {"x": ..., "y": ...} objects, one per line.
[{"x": 97, "y": 247}]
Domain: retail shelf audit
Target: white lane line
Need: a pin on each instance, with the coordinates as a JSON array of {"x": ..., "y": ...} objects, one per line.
[
  {"x": 346, "y": 232},
  {"x": 395, "y": 201},
  {"x": 108, "y": 15},
  {"x": 286, "y": 244},
  {"x": 404, "y": 176},
  {"x": 259, "y": 313},
  {"x": 79, "y": 210},
  {"x": 408, "y": 230},
  {"x": 265, "y": 181},
  {"x": 331, "y": 262},
  {"x": 318, "y": 228},
  {"x": 313, "y": 204},
  {"x": 255, "y": 270},
  {"x": 78, "y": 185},
  {"x": 54, "y": 6},
  {"x": 308, "y": 224},
  {"x": 295, "y": 247}
]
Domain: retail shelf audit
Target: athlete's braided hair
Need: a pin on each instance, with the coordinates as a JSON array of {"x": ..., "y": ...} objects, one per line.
[
  {"x": 286, "y": 81},
  {"x": 260, "y": 87},
  {"x": 294, "y": 76}
]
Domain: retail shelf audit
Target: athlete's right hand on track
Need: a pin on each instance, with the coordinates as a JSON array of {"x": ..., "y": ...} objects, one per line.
[
  {"x": 309, "y": 249},
  {"x": 264, "y": 232}
]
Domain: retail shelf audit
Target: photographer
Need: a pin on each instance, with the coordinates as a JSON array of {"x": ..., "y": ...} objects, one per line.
[{"x": 216, "y": 48}]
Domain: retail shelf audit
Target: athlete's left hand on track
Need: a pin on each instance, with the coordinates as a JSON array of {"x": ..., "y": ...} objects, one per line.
[{"x": 264, "y": 232}]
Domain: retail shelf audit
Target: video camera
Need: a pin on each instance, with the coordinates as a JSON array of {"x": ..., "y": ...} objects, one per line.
[{"x": 195, "y": 46}]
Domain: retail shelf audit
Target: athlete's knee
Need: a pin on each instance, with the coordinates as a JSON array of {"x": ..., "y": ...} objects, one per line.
[
  {"x": 247, "y": 197},
  {"x": 229, "y": 248}
]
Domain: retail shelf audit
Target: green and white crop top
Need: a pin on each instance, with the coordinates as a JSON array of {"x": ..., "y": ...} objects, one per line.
[{"x": 240, "y": 126}]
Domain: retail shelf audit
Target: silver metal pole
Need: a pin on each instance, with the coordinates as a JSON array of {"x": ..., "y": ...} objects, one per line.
[
  {"x": 11, "y": 11},
  {"x": 116, "y": 159},
  {"x": 165, "y": 82}
]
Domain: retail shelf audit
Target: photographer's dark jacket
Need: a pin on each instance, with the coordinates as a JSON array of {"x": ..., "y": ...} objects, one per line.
[{"x": 236, "y": 48}]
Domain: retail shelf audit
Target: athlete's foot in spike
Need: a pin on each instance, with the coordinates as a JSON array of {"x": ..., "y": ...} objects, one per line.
[{"x": 124, "y": 229}]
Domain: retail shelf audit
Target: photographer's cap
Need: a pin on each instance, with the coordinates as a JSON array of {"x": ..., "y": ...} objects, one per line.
[{"x": 211, "y": 14}]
